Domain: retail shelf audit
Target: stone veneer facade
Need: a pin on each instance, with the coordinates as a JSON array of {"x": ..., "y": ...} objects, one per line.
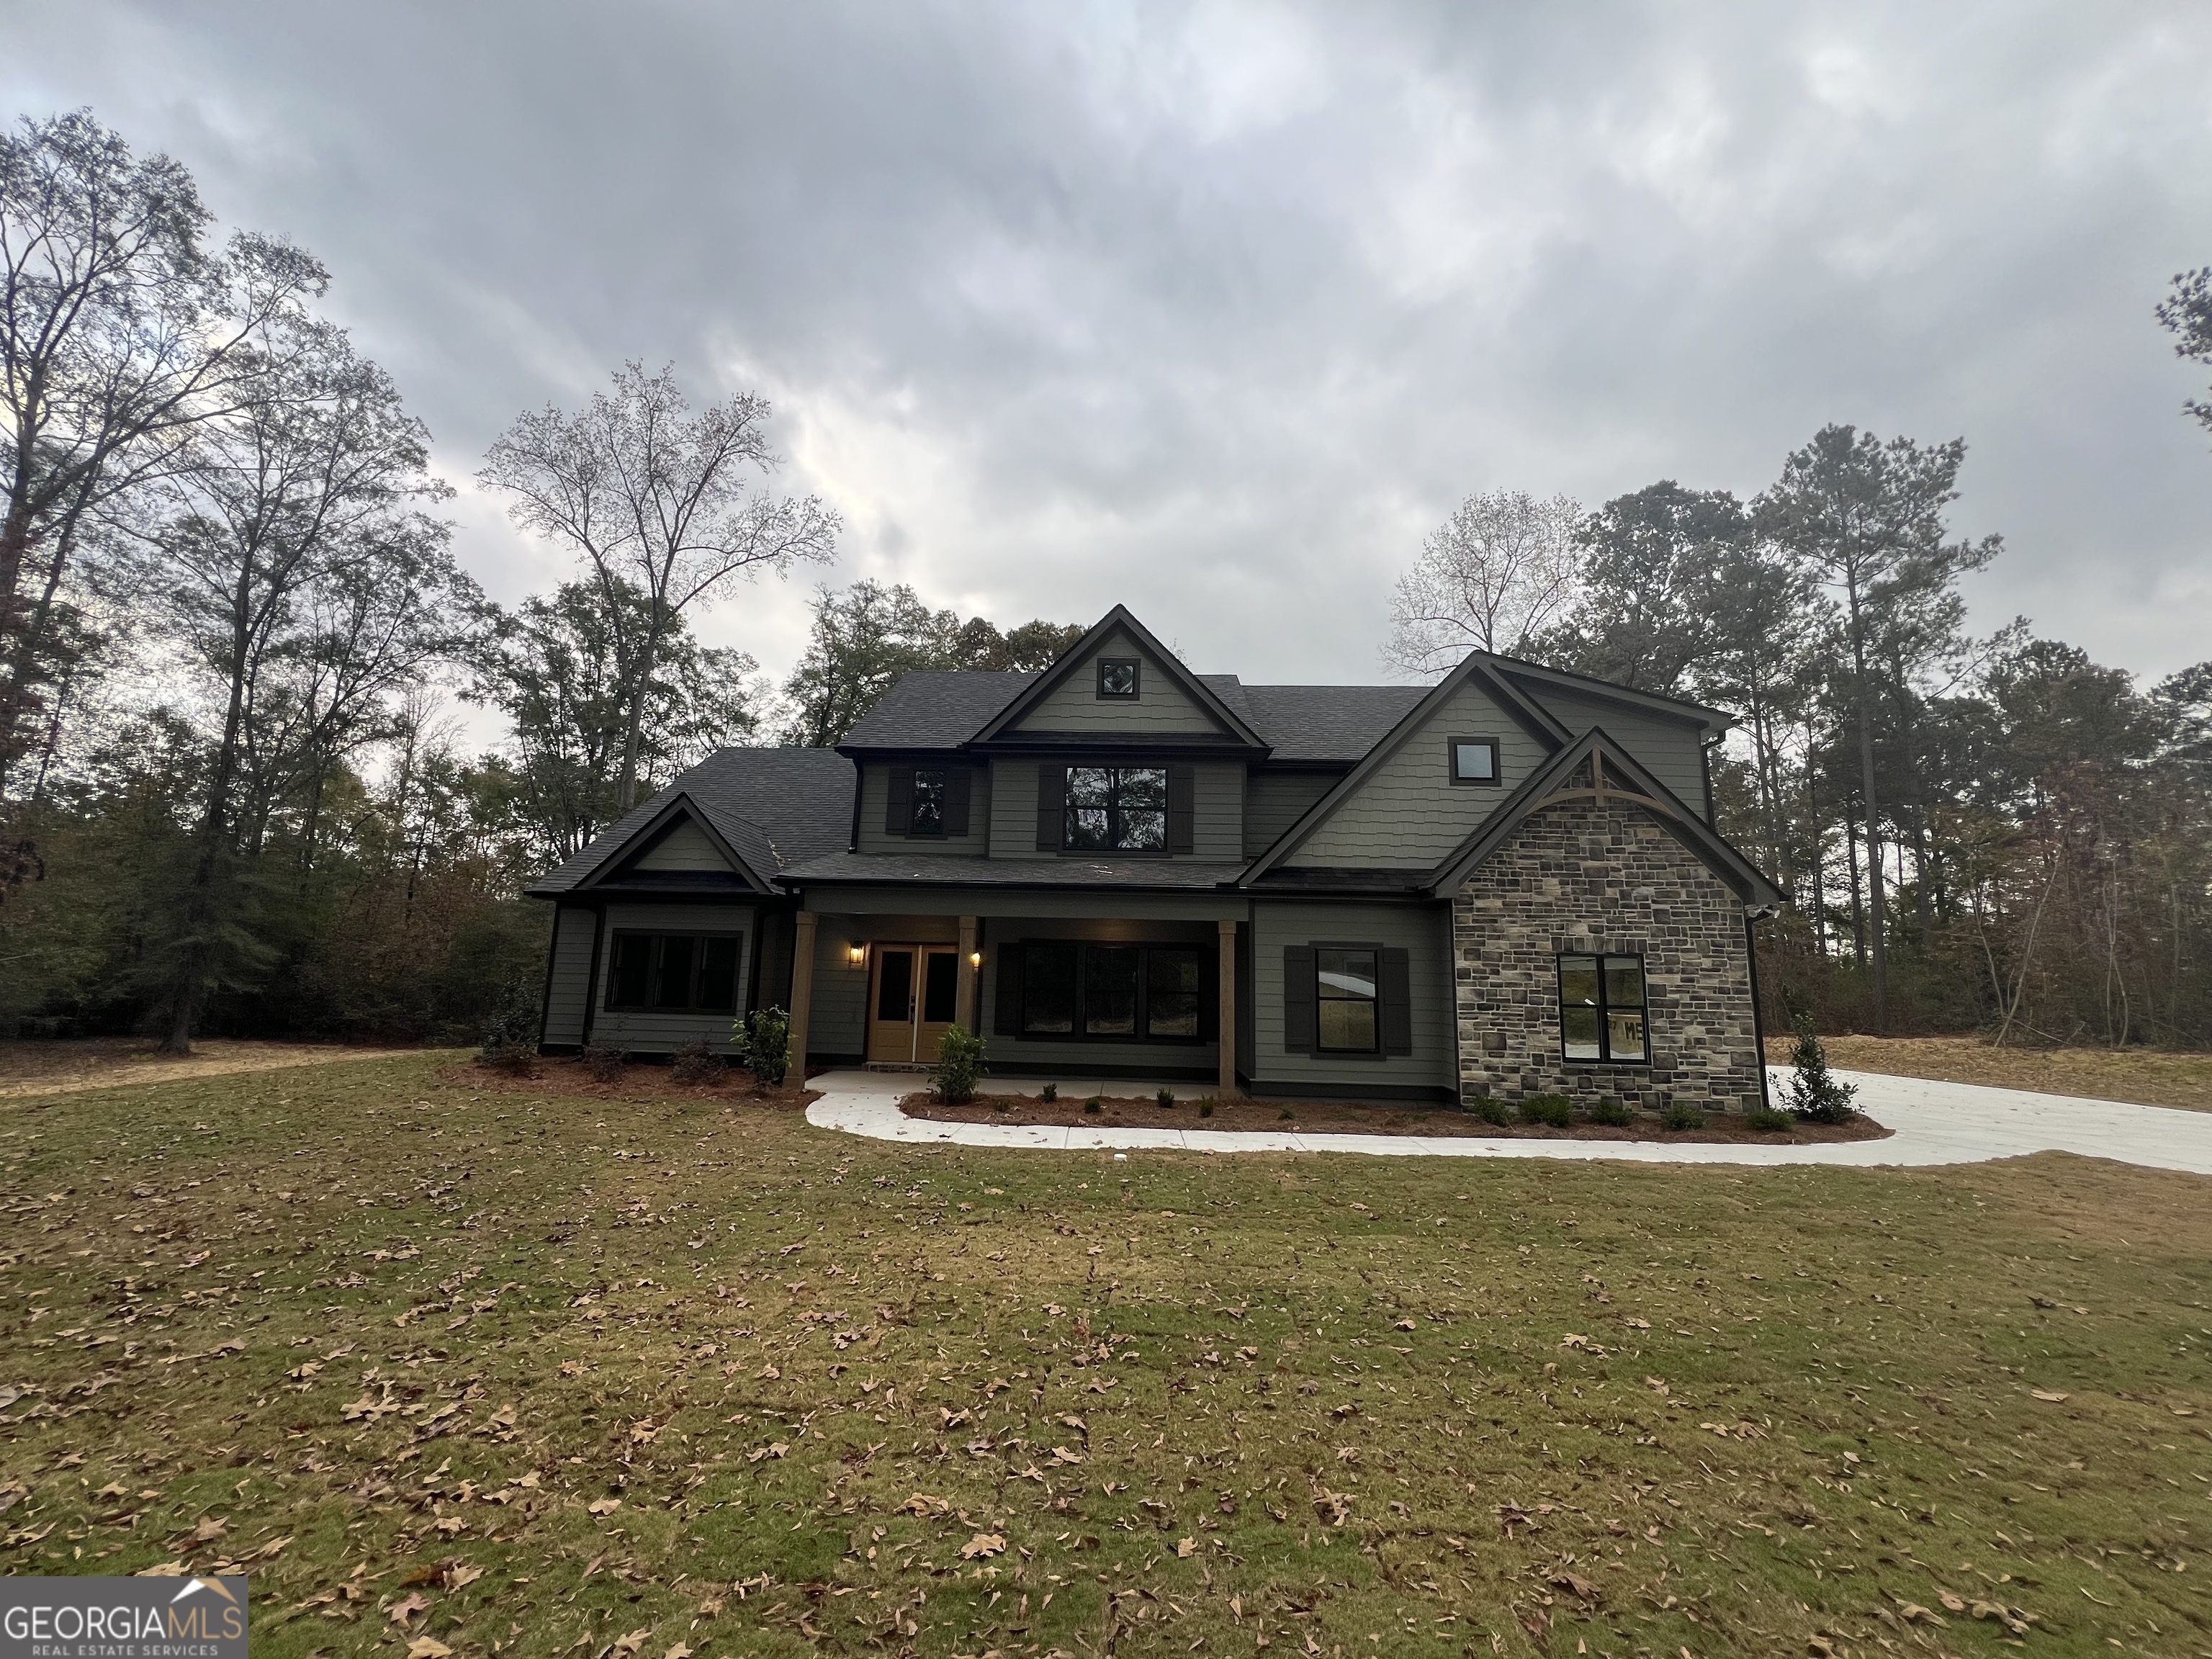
[{"x": 1575, "y": 878}]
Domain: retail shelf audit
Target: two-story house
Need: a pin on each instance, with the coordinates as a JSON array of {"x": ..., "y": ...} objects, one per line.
[{"x": 1505, "y": 884}]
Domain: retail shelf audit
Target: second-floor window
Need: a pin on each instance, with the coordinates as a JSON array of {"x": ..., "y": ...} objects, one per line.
[
  {"x": 930, "y": 802},
  {"x": 928, "y": 812},
  {"x": 1117, "y": 808}
]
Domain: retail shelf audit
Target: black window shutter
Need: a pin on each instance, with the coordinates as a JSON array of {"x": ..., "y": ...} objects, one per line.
[
  {"x": 1299, "y": 1036},
  {"x": 1007, "y": 1018},
  {"x": 1183, "y": 809},
  {"x": 1052, "y": 806},
  {"x": 956, "y": 780},
  {"x": 1395, "y": 997},
  {"x": 898, "y": 816}
]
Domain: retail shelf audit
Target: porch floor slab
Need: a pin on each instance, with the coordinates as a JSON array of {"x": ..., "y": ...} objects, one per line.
[{"x": 1933, "y": 1123}]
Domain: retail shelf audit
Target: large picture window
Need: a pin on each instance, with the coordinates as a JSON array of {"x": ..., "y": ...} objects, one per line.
[
  {"x": 1116, "y": 809},
  {"x": 1601, "y": 1009},
  {"x": 674, "y": 973},
  {"x": 1108, "y": 992}
]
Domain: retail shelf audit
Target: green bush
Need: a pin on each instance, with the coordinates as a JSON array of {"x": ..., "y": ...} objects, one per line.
[
  {"x": 1285, "y": 1115},
  {"x": 1552, "y": 1111},
  {"x": 763, "y": 1045},
  {"x": 960, "y": 1066},
  {"x": 1206, "y": 1107},
  {"x": 1051, "y": 1092},
  {"x": 1491, "y": 1111},
  {"x": 1614, "y": 1113},
  {"x": 1766, "y": 1120},
  {"x": 1814, "y": 1094},
  {"x": 1166, "y": 1097},
  {"x": 604, "y": 1064},
  {"x": 1682, "y": 1115},
  {"x": 1093, "y": 1106}
]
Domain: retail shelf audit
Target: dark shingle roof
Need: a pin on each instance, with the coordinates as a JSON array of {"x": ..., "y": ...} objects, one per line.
[
  {"x": 776, "y": 807},
  {"x": 1327, "y": 722},
  {"x": 936, "y": 708}
]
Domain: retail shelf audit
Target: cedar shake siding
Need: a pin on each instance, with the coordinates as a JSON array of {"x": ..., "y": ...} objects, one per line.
[{"x": 1577, "y": 877}]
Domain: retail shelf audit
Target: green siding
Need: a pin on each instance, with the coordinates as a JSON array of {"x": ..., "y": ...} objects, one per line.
[
  {"x": 1161, "y": 705},
  {"x": 685, "y": 846},
  {"x": 875, "y": 793},
  {"x": 837, "y": 1022},
  {"x": 661, "y": 1033},
  {"x": 875, "y": 902},
  {"x": 1669, "y": 748},
  {"x": 1274, "y": 801},
  {"x": 1407, "y": 814},
  {"x": 1422, "y": 931},
  {"x": 568, "y": 984}
]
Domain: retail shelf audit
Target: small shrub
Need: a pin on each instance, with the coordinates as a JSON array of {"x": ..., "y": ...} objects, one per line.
[
  {"x": 1092, "y": 1107},
  {"x": 960, "y": 1066},
  {"x": 1552, "y": 1111},
  {"x": 1612, "y": 1113},
  {"x": 510, "y": 1037},
  {"x": 1166, "y": 1097},
  {"x": 1052, "y": 1091},
  {"x": 1283, "y": 1116},
  {"x": 1206, "y": 1107},
  {"x": 1491, "y": 1111},
  {"x": 1682, "y": 1115},
  {"x": 1814, "y": 1093},
  {"x": 763, "y": 1045},
  {"x": 1766, "y": 1120},
  {"x": 604, "y": 1064},
  {"x": 694, "y": 1063},
  {"x": 512, "y": 1058}
]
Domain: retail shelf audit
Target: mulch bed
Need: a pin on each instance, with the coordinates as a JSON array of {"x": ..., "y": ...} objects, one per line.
[
  {"x": 1352, "y": 1117},
  {"x": 637, "y": 1082}
]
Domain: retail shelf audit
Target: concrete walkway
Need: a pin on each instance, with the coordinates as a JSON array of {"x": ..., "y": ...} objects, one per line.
[{"x": 1935, "y": 1123}]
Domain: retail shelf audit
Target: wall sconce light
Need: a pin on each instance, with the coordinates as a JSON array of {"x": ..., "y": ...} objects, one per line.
[
  {"x": 858, "y": 953},
  {"x": 974, "y": 958}
]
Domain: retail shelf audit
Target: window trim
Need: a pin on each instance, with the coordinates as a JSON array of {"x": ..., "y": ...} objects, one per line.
[
  {"x": 1374, "y": 1050},
  {"x": 1136, "y": 668},
  {"x": 1112, "y": 811},
  {"x": 1605, "y": 1056},
  {"x": 1452, "y": 746},
  {"x": 1143, "y": 1036},
  {"x": 691, "y": 1010}
]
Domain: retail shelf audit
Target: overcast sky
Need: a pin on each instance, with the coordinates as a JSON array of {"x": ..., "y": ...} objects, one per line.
[{"x": 1214, "y": 310}]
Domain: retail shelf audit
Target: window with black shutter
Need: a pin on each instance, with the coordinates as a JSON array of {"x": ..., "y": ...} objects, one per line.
[{"x": 1347, "y": 1000}]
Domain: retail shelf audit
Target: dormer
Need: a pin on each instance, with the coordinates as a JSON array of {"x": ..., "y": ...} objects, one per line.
[{"x": 1119, "y": 686}]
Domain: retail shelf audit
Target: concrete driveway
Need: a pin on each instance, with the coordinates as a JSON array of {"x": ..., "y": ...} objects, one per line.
[{"x": 1935, "y": 1123}]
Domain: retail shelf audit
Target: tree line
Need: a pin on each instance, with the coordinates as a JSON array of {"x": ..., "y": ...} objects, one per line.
[
  {"x": 1986, "y": 831},
  {"x": 235, "y": 795},
  {"x": 236, "y": 646}
]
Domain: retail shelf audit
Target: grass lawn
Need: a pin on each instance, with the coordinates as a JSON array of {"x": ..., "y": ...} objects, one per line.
[
  {"x": 2151, "y": 1076},
  {"x": 511, "y": 1372}
]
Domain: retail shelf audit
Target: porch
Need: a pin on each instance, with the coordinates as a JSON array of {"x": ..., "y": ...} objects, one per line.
[{"x": 1138, "y": 989}]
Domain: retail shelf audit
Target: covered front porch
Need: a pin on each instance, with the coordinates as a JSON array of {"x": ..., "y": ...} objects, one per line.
[{"x": 1061, "y": 986}]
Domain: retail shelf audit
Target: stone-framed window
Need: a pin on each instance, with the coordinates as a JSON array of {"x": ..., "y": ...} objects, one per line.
[{"x": 1603, "y": 1013}]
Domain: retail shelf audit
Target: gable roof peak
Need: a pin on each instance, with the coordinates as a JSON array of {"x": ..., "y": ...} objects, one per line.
[{"x": 1121, "y": 620}]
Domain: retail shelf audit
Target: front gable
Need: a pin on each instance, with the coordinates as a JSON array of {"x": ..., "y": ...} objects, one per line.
[
  {"x": 1149, "y": 695},
  {"x": 680, "y": 845}
]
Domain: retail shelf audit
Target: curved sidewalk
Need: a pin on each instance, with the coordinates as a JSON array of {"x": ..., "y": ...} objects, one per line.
[{"x": 1935, "y": 1123}]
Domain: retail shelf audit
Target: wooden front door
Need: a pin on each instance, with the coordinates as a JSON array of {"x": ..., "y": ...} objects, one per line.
[{"x": 911, "y": 1006}]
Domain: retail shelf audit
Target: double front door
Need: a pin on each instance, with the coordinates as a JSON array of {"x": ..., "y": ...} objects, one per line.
[{"x": 914, "y": 997}]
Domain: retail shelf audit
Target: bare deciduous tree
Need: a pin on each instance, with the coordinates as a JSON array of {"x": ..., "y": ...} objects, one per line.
[
  {"x": 1492, "y": 577},
  {"x": 658, "y": 500},
  {"x": 120, "y": 332}
]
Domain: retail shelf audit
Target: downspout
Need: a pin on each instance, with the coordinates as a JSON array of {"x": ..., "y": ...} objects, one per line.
[
  {"x": 853, "y": 837},
  {"x": 1758, "y": 1020}
]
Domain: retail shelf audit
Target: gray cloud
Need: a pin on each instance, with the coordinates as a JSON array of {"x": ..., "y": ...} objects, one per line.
[{"x": 1216, "y": 309}]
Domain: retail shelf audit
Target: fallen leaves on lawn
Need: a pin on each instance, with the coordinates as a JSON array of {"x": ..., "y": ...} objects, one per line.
[
  {"x": 982, "y": 1546},
  {"x": 428, "y": 1646},
  {"x": 923, "y": 1505},
  {"x": 406, "y": 1607},
  {"x": 2051, "y": 1395}
]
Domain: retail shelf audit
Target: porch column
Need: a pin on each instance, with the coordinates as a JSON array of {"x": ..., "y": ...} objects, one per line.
[
  {"x": 802, "y": 993},
  {"x": 1227, "y": 954},
  {"x": 963, "y": 1000}
]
